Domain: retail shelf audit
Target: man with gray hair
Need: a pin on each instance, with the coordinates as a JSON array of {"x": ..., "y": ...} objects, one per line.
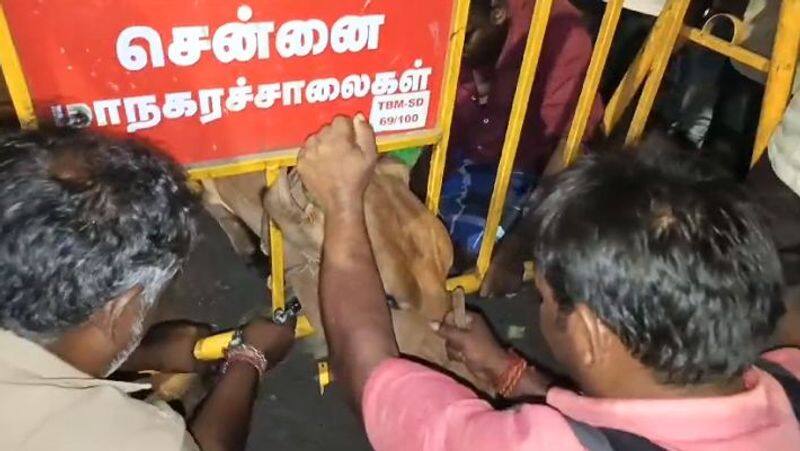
[{"x": 91, "y": 230}]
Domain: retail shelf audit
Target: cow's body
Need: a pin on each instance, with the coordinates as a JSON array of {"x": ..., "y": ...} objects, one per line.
[{"x": 411, "y": 247}]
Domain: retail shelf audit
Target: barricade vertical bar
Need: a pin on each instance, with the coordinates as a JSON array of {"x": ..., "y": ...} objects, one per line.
[
  {"x": 276, "y": 249},
  {"x": 632, "y": 81},
  {"x": 594, "y": 73},
  {"x": 446, "y": 108},
  {"x": 673, "y": 15},
  {"x": 527, "y": 74},
  {"x": 781, "y": 75},
  {"x": 15, "y": 79}
]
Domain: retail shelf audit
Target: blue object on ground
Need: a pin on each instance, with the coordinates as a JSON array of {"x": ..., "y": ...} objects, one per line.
[{"x": 466, "y": 194}]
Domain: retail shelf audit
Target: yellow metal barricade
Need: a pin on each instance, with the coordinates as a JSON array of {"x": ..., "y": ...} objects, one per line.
[
  {"x": 437, "y": 138},
  {"x": 15, "y": 80},
  {"x": 645, "y": 74},
  {"x": 669, "y": 31},
  {"x": 541, "y": 16}
]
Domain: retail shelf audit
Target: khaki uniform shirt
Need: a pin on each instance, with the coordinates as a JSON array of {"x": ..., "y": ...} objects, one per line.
[{"x": 48, "y": 405}]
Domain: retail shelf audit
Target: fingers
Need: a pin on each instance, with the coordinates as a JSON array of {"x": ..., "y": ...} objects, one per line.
[
  {"x": 365, "y": 136},
  {"x": 342, "y": 126},
  {"x": 454, "y": 336},
  {"x": 453, "y": 354},
  {"x": 311, "y": 142},
  {"x": 451, "y": 319},
  {"x": 454, "y": 341},
  {"x": 340, "y": 130}
]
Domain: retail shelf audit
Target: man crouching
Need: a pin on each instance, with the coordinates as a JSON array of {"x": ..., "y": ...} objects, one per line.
[{"x": 91, "y": 230}]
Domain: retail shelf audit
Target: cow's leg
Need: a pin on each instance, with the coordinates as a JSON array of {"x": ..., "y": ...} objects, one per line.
[
  {"x": 242, "y": 195},
  {"x": 237, "y": 232}
]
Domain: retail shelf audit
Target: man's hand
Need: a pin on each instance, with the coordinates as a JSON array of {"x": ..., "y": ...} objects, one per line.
[
  {"x": 272, "y": 339},
  {"x": 168, "y": 347},
  {"x": 479, "y": 350},
  {"x": 223, "y": 420},
  {"x": 337, "y": 163},
  {"x": 475, "y": 346}
]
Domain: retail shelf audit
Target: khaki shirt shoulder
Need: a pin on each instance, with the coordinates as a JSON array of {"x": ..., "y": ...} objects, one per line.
[{"x": 49, "y": 405}]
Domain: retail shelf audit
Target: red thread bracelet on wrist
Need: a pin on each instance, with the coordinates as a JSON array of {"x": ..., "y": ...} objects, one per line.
[{"x": 509, "y": 378}]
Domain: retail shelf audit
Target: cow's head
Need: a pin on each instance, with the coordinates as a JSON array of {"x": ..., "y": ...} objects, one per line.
[{"x": 301, "y": 222}]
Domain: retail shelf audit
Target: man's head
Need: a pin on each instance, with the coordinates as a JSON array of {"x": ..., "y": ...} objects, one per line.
[
  {"x": 91, "y": 229},
  {"x": 487, "y": 30},
  {"x": 661, "y": 263}
]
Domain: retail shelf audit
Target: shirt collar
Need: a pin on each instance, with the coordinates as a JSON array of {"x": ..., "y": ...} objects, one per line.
[
  {"x": 679, "y": 419},
  {"x": 25, "y": 362}
]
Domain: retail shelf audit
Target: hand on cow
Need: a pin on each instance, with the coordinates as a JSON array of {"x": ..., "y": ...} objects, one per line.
[
  {"x": 475, "y": 346},
  {"x": 337, "y": 163},
  {"x": 479, "y": 350}
]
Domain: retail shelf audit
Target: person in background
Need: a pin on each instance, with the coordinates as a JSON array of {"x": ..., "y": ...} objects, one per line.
[
  {"x": 495, "y": 43},
  {"x": 660, "y": 286},
  {"x": 742, "y": 90},
  {"x": 775, "y": 184},
  {"x": 91, "y": 230},
  {"x": 635, "y": 23},
  {"x": 761, "y": 19}
]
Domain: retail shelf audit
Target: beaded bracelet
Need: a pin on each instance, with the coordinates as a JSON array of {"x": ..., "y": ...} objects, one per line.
[{"x": 248, "y": 354}]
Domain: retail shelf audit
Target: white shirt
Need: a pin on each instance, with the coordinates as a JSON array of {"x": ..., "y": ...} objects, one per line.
[
  {"x": 649, "y": 7},
  {"x": 784, "y": 149}
]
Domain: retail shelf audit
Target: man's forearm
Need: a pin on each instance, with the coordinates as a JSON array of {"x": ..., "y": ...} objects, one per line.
[
  {"x": 357, "y": 322},
  {"x": 223, "y": 420}
]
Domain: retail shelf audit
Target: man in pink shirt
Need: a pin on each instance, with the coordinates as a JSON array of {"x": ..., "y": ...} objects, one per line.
[{"x": 659, "y": 286}]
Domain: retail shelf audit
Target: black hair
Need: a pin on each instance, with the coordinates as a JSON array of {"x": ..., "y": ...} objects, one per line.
[
  {"x": 480, "y": 6},
  {"x": 669, "y": 253},
  {"x": 84, "y": 218}
]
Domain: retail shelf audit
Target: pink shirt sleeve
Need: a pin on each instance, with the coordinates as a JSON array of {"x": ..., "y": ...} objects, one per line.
[{"x": 408, "y": 406}]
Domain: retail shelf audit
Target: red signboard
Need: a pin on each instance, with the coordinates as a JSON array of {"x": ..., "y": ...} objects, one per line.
[{"x": 211, "y": 81}]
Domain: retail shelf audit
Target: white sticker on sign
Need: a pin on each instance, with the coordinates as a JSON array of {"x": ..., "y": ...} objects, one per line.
[{"x": 398, "y": 112}]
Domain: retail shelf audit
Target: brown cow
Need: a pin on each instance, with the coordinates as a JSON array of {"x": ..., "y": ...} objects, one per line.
[{"x": 411, "y": 246}]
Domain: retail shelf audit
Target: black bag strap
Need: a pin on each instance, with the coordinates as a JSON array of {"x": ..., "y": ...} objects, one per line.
[
  {"x": 605, "y": 439},
  {"x": 790, "y": 384}
]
